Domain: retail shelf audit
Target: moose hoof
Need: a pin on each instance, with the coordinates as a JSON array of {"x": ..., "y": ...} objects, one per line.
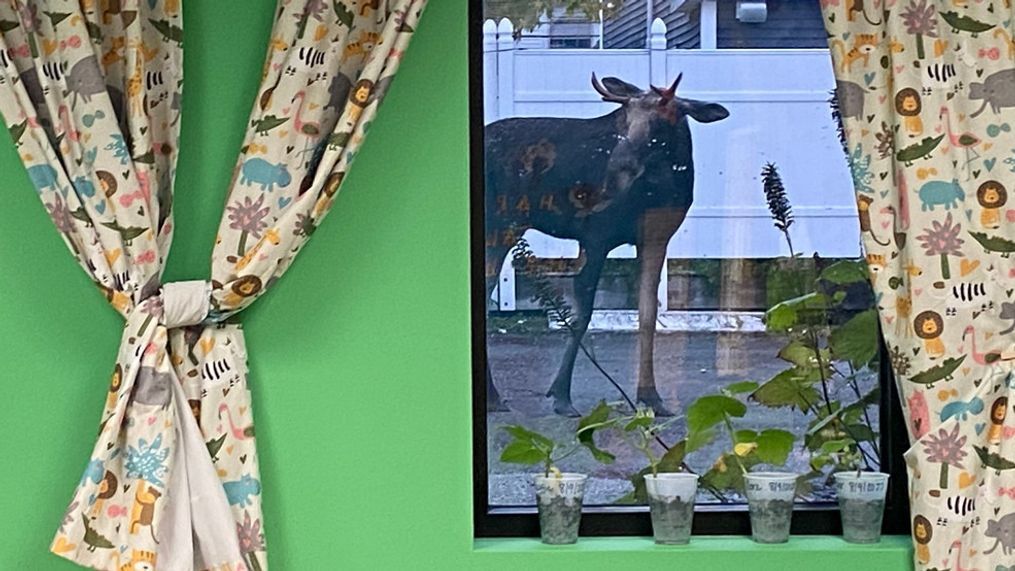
[
  {"x": 563, "y": 407},
  {"x": 655, "y": 402},
  {"x": 496, "y": 405}
]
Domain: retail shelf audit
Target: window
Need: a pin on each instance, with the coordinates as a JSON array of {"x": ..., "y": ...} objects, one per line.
[{"x": 568, "y": 211}]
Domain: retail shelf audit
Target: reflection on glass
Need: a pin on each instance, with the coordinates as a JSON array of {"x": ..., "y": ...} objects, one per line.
[{"x": 718, "y": 292}]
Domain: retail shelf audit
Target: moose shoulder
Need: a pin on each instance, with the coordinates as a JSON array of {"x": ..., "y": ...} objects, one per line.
[{"x": 623, "y": 178}]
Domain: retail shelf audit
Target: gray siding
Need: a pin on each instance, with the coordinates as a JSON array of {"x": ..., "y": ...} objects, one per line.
[{"x": 628, "y": 29}]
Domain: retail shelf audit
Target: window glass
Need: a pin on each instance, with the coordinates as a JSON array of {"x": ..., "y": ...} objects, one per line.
[{"x": 728, "y": 291}]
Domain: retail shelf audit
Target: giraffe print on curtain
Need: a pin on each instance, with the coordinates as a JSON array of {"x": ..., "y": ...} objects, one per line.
[{"x": 926, "y": 91}]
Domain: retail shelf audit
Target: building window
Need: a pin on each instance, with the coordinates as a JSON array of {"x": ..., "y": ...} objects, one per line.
[{"x": 586, "y": 194}]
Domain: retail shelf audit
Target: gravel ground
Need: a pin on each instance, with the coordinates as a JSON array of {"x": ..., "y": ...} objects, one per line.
[{"x": 688, "y": 365}]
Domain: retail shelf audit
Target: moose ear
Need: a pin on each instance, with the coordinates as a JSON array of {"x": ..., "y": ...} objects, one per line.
[
  {"x": 620, "y": 87},
  {"x": 702, "y": 111}
]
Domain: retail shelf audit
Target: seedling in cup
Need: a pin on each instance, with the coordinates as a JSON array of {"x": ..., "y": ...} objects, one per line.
[{"x": 559, "y": 495}]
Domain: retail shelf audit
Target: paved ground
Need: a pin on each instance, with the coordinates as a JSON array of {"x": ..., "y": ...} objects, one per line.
[{"x": 688, "y": 365}]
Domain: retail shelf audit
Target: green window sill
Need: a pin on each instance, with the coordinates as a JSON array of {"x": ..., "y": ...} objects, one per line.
[{"x": 824, "y": 553}]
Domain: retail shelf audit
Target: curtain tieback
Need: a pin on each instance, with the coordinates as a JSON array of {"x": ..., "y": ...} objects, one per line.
[{"x": 184, "y": 303}]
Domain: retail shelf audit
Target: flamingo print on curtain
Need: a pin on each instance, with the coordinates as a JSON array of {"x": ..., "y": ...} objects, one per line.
[
  {"x": 91, "y": 93},
  {"x": 926, "y": 92}
]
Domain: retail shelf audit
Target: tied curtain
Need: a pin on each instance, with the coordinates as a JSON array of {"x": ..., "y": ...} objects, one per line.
[
  {"x": 91, "y": 91},
  {"x": 926, "y": 92}
]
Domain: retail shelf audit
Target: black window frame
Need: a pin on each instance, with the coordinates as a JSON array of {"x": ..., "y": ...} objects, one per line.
[{"x": 711, "y": 519}]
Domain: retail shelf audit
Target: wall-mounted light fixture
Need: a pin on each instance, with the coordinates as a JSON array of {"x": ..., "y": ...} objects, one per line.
[{"x": 752, "y": 11}]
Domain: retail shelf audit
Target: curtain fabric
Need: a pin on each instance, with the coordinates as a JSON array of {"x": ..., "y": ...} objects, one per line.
[
  {"x": 91, "y": 93},
  {"x": 926, "y": 91}
]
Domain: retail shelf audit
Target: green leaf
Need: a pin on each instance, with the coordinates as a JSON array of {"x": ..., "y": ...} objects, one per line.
[
  {"x": 643, "y": 419},
  {"x": 524, "y": 434},
  {"x": 630, "y": 498},
  {"x": 673, "y": 459},
  {"x": 862, "y": 433},
  {"x": 741, "y": 387},
  {"x": 856, "y": 340},
  {"x": 788, "y": 388},
  {"x": 774, "y": 446},
  {"x": 835, "y": 446},
  {"x": 599, "y": 454},
  {"x": 708, "y": 411},
  {"x": 597, "y": 417},
  {"x": 697, "y": 439},
  {"x": 587, "y": 426},
  {"x": 807, "y": 309},
  {"x": 781, "y": 317},
  {"x": 803, "y": 356},
  {"x": 725, "y": 474},
  {"x": 845, "y": 272},
  {"x": 746, "y": 435},
  {"x": 522, "y": 452}
]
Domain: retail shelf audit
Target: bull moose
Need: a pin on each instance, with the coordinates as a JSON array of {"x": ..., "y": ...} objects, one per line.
[{"x": 623, "y": 178}]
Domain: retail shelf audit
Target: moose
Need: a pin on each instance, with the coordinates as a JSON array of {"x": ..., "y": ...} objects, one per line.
[{"x": 623, "y": 178}]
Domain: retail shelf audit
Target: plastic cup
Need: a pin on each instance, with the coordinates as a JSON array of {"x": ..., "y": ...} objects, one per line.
[
  {"x": 559, "y": 500},
  {"x": 671, "y": 498},
  {"x": 861, "y": 504},
  {"x": 770, "y": 499}
]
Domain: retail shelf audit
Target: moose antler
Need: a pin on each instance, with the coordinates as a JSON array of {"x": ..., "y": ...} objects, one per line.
[
  {"x": 670, "y": 91},
  {"x": 607, "y": 95}
]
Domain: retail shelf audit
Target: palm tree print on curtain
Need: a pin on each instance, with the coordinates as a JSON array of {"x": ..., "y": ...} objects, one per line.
[
  {"x": 91, "y": 94},
  {"x": 926, "y": 90}
]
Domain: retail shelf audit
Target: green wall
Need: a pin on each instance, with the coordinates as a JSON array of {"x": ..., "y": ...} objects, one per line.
[{"x": 361, "y": 398}]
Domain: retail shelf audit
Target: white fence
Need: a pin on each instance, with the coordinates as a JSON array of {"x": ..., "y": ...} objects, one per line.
[{"x": 779, "y": 112}]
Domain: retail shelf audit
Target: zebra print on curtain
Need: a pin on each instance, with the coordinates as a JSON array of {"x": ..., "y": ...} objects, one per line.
[
  {"x": 926, "y": 89},
  {"x": 90, "y": 92}
]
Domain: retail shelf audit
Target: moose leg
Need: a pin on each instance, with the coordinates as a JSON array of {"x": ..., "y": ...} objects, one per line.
[
  {"x": 585, "y": 285},
  {"x": 656, "y": 229},
  {"x": 494, "y": 261},
  {"x": 493, "y": 400}
]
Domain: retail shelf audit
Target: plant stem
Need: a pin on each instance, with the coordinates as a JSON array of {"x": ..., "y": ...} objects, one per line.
[
  {"x": 946, "y": 271},
  {"x": 815, "y": 410},
  {"x": 733, "y": 438},
  {"x": 851, "y": 381},
  {"x": 821, "y": 369},
  {"x": 646, "y": 447},
  {"x": 789, "y": 242}
]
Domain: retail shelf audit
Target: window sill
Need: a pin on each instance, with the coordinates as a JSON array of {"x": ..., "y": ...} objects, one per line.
[{"x": 827, "y": 553}]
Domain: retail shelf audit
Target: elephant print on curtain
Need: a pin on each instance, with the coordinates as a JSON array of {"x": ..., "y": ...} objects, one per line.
[
  {"x": 91, "y": 93},
  {"x": 926, "y": 89}
]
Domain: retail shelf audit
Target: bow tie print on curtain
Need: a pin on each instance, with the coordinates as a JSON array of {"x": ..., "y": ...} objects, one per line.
[
  {"x": 926, "y": 92},
  {"x": 91, "y": 94}
]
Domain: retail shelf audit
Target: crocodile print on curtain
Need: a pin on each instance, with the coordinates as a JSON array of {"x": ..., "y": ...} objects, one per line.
[
  {"x": 91, "y": 93},
  {"x": 926, "y": 90}
]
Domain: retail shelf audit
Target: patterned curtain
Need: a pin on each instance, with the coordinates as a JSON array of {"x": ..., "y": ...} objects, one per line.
[
  {"x": 926, "y": 91},
  {"x": 90, "y": 91}
]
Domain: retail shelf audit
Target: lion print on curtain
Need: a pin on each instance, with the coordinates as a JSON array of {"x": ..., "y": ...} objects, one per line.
[
  {"x": 926, "y": 91},
  {"x": 90, "y": 91}
]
